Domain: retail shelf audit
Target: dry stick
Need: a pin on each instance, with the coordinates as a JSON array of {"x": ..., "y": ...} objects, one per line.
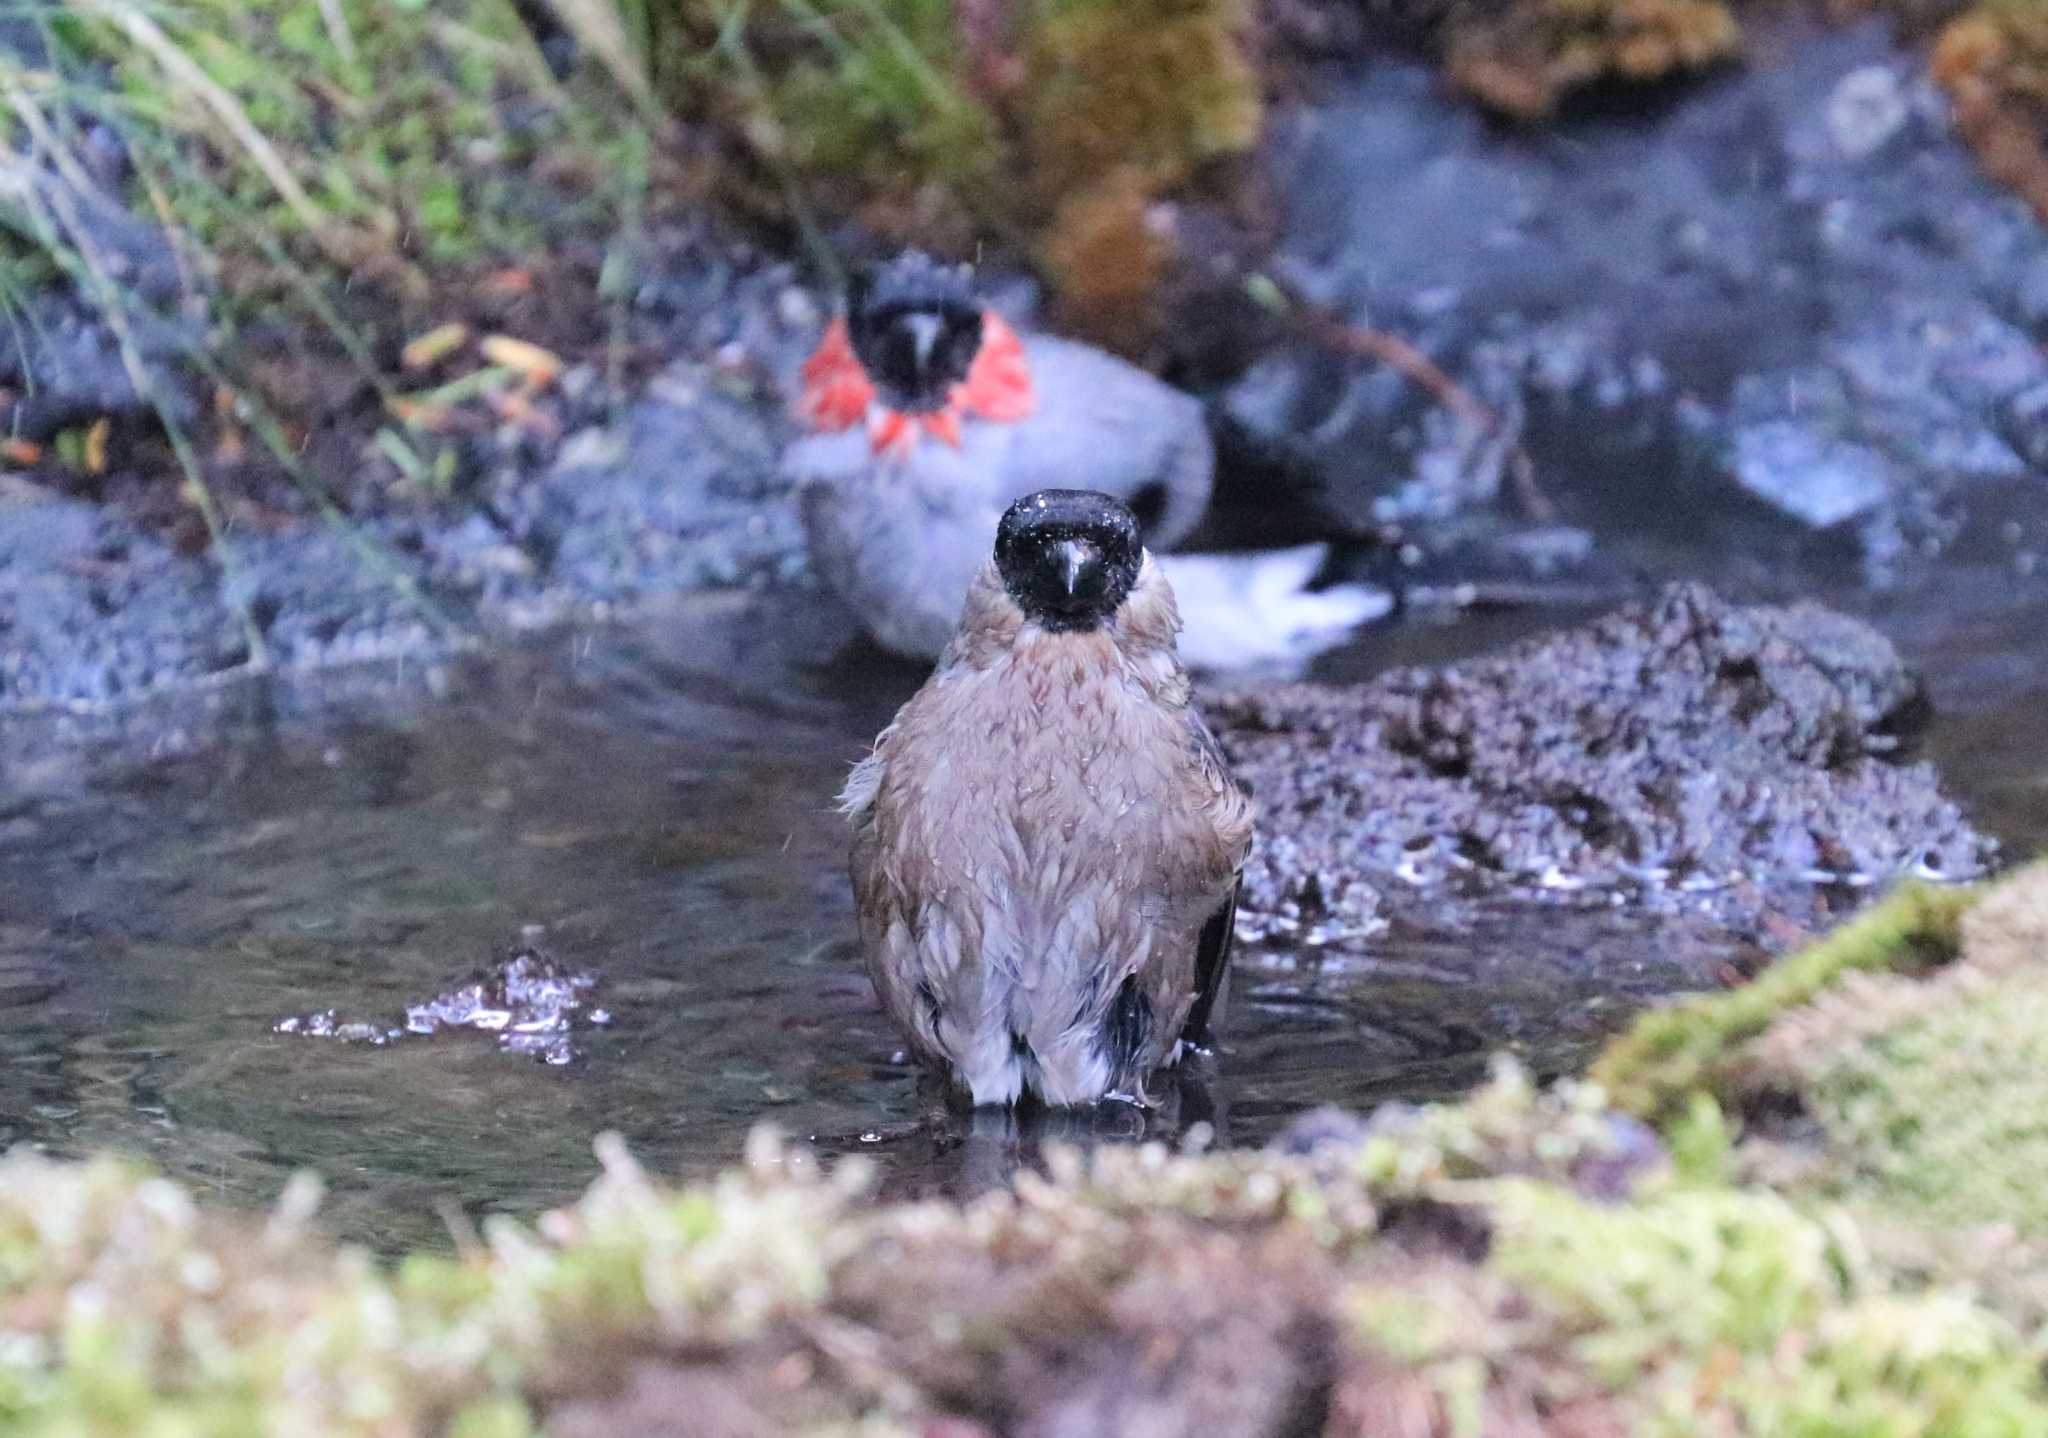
[
  {"x": 1420, "y": 370},
  {"x": 337, "y": 30},
  {"x": 599, "y": 26}
]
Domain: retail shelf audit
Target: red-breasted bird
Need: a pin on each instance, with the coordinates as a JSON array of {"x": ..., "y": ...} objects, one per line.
[
  {"x": 923, "y": 414},
  {"x": 1047, "y": 840}
]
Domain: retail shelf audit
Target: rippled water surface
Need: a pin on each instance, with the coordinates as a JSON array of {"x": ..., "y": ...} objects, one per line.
[{"x": 658, "y": 799}]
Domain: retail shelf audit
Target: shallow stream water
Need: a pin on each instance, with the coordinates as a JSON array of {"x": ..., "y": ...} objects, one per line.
[{"x": 658, "y": 798}]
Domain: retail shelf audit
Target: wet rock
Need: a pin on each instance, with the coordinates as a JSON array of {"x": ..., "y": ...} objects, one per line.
[
  {"x": 527, "y": 997},
  {"x": 1786, "y": 305},
  {"x": 686, "y": 495},
  {"x": 683, "y": 494},
  {"x": 320, "y": 596},
  {"x": 1866, "y": 109},
  {"x": 93, "y": 611},
  {"x": 1683, "y": 751},
  {"x": 64, "y": 366}
]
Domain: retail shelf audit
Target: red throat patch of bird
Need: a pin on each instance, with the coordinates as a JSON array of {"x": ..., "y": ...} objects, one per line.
[{"x": 837, "y": 393}]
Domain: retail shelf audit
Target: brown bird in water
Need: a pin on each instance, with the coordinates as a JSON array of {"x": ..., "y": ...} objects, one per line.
[{"x": 1047, "y": 840}]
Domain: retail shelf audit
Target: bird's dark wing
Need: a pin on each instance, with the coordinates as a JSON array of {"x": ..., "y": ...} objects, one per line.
[
  {"x": 1212, "y": 949},
  {"x": 1212, "y": 974}
]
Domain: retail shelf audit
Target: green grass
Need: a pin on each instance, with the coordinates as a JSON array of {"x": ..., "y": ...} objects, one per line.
[{"x": 329, "y": 175}]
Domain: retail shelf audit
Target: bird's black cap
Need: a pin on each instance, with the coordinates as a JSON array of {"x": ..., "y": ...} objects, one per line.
[
  {"x": 915, "y": 325},
  {"x": 1068, "y": 556}
]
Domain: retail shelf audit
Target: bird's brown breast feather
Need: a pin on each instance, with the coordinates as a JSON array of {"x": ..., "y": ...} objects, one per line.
[{"x": 1047, "y": 785}]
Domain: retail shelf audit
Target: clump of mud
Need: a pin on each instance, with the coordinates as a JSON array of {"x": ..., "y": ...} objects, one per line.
[{"x": 1685, "y": 750}]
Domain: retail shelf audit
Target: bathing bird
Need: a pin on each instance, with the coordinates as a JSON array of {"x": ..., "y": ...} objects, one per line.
[
  {"x": 923, "y": 413},
  {"x": 1047, "y": 840}
]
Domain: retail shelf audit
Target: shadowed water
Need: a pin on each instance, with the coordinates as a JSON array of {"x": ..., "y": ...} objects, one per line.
[{"x": 658, "y": 800}]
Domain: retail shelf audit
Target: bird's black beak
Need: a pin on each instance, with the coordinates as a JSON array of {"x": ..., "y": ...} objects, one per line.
[
  {"x": 924, "y": 337},
  {"x": 1081, "y": 578}
]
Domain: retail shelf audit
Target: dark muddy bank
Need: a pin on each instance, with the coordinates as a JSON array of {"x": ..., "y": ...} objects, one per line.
[
  {"x": 1774, "y": 329},
  {"x": 1683, "y": 754}
]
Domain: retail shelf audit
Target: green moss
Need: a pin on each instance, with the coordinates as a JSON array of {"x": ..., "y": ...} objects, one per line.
[
  {"x": 1654, "y": 1068},
  {"x": 1128, "y": 102},
  {"x": 1690, "y": 1311},
  {"x": 869, "y": 104},
  {"x": 1162, "y": 86},
  {"x": 127, "y": 1309},
  {"x": 1689, "y": 1272},
  {"x": 1704, "y": 1309},
  {"x": 1944, "y": 1114},
  {"x": 1910, "y": 1045},
  {"x": 1053, "y": 125}
]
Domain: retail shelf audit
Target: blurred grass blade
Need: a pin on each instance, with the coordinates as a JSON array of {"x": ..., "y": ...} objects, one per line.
[
  {"x": 70, "y": 239},
  {"x": 600, "y": 28},
  {"x": 336, "y": 21},
  {"x": 185, "y": 71}
]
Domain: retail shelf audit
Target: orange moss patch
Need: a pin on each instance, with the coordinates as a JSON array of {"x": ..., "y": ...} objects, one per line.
[
  {"x": 1524, "y": 61},
  {"x": 1993, "y": 61},
  {"x": 1105, "y": 253},
  {"x": 1125, "y": 104}
]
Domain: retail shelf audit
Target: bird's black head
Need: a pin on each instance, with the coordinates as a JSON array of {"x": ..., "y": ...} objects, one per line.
[
  {"x": 1068, "y": 556},
  {"x": 915, "y": 326}
]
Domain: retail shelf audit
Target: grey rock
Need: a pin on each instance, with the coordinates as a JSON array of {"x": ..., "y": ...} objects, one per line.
[
  {"x": 66, "y": 366},
  {"x": 320, "y": 597},
  {"x": 1866, "y": 109},
  {"x": 1792, "y": 285},
  {"x": 690, "y": 496},
  {"x": 93, "y": 611}
]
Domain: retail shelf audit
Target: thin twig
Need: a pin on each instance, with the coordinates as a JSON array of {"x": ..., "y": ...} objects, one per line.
[{"x": 1327, "y": 329}]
